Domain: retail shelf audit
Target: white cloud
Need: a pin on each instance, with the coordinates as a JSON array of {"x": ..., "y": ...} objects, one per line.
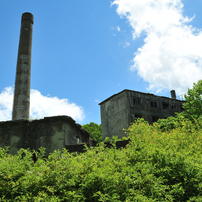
[
  {"x": 118, "y": 28},
  {"x": 6, "y": 102},
  {"x": 40, "y": 106},
  {"x": 97, "y": 101},
  {"x": 115, "y": 30},
  {"x": 171, "y": 57},
  {"x": 127, "y": 44}
]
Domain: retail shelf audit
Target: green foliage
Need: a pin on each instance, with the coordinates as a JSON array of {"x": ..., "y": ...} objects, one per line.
[
  {"x": 107, "y": 139},
  {"x": 95, "y": 130},
  {"x": 178, "y": 121},
  {"x": 175, "y": 155},
  {"x": 155, "y": 166},
  {"x": 193, "y": 104},
  {"x": 162, "y": 162},
  {"x": 192, "y": 113}
]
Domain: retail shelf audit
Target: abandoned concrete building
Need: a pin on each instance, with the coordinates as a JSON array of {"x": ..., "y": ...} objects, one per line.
[
  {"x": 53, "y": 133},
  {"x": 121, "y": 109}
]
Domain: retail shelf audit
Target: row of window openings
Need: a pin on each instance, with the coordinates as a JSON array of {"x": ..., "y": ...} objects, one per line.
[
  {"x": 137, "y": 101},
  {"x": 154, "y": 118}
]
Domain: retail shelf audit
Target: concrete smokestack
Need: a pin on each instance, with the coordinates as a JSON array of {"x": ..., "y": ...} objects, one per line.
[
  {"x": 173, "y": 95},
  {"x": 21, "y": 102}
]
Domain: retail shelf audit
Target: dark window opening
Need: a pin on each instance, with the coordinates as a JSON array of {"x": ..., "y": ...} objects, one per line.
[
  {"x": 155, "y": 118},
  {"x": 137, "y": 101},
  {"x": 138, "y": 116},
  {"x": 165, "y": 105},
  {"x": 154, "y": 104}
]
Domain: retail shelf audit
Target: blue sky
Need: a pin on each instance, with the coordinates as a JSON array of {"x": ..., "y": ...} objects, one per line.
[{"x": 85, "y": 51}]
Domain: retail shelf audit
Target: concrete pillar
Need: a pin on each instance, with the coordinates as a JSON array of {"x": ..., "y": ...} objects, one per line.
[{"x": 21, "y": 102}]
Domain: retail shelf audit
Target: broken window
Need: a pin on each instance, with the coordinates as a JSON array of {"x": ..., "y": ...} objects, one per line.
[
  {"x": 165, "y": 105},
  {"x": 136, "y": 116},
  {"x": 154, "y": 104},
  {"x": 155, "y": 118},
  {"x": 137, "y": 101}
]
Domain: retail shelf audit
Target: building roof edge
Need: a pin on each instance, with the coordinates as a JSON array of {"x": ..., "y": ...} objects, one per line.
[{"x": 137, "y": 92}]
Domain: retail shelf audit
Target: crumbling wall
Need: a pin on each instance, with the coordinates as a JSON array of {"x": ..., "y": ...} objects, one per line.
[
  {"x": 121, "y": 109},
  {"x": 53, "y": 133},
  {"x": 114, "y": 116}
]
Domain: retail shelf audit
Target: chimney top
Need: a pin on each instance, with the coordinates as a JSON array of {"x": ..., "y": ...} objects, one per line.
[
  {"x": 27, "y": 16},
  {"x": 173, "y": 95}
]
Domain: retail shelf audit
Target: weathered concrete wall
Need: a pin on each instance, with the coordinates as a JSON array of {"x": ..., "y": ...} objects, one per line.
[
  {"x": 114, "y": 116},
  {"x": 164, "y": 107},
  {"x": 118, "y": 111},
  {"x": 53, "y": 133}
]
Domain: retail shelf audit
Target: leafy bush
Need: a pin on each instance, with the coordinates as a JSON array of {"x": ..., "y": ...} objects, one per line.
[
  {"x": 179, "y": 121},
  {"x": 193, "y": 104},
  {"x": 155, "y": 166},
  {"x": 192, "y": 111},
  {"x": 95, "y": 130}
]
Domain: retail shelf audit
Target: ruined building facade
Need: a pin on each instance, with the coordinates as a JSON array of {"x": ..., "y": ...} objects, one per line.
[
  {"x": 53, "y": 133},
  {"x": 121, "y": 109}
]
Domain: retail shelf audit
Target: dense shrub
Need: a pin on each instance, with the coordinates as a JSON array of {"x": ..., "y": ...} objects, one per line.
[
  {"x": 94, "y": 130},
  {"x": 155, "y": 166},
  {"x": 193, "y": 104}
]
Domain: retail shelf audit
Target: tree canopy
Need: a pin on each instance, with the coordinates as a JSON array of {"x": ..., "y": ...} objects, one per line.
[
  {"x": 154, "y": 166},
  {"x": 193, "y": 104},
  {"x": 95, "y": 130},
  {"x": 162, "y": 162}
]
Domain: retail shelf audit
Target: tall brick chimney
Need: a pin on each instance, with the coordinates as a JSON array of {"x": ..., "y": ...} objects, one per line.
[{"x": 21, "y": 103}]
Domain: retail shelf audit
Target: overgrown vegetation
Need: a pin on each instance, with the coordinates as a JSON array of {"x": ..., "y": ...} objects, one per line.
[
  {"x": 161, "y": 163},
  {"x": 155, "y": 166},
  {"x": 192, "y": 111},
  {"x": 95, "y": 130},
  {"x": 193, "y": 104}
]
